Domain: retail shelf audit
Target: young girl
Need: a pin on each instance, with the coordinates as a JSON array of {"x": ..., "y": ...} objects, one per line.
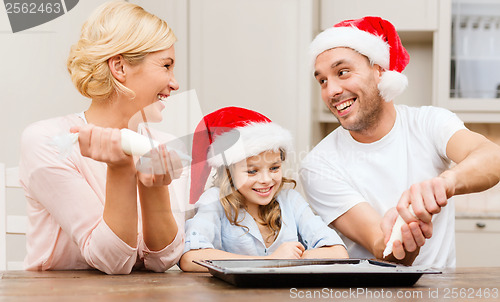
[{"x": 247, "y": 214}]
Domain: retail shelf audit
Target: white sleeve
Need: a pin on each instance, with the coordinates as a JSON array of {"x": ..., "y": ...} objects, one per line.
[
  {"x": 312, "y": 229},
  {"x": 439, "y": 125},
  {"x": 204, "y": 229},
  {"x": 327, "y": 190}
]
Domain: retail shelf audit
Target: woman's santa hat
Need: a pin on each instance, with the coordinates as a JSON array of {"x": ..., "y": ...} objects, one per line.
[
  {"x": 374, "y": 38},
  {"x": 229, "y": 135}
]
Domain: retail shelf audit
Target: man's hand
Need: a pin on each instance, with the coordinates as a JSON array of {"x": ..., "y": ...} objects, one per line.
[
  {"x": 413, "y": 234},
  {"x": 427, "y": 198}
]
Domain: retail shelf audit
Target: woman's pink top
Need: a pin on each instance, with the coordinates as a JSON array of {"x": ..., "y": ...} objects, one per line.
[{"x": 65, "y": 197}]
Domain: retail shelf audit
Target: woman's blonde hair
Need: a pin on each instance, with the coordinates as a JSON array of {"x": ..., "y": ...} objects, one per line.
[
  {"x": 232, "y": 201},
  {"x": 114, "y": 28}
]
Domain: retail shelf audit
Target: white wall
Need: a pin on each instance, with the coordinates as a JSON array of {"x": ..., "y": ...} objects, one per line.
[
  {"x": 250, "y": 53},
  {"x": 34, "y": 83},
  {"x": 253, "y": 54},
  {"x": 247, "y": 53}
]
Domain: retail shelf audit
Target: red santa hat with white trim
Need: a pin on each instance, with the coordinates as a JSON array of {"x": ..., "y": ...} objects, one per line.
[
  {"x": 229, "y": 135},
  {"x": 374, "y": 38}
]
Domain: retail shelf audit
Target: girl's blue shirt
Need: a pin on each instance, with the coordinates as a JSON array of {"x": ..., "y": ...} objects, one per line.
[{"x": 210, "y": 228}]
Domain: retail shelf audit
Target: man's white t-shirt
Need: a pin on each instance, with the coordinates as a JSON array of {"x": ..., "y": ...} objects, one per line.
[{"x": 341, "y": 172}]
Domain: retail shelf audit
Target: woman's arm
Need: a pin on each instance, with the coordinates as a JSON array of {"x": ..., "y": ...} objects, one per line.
[
  {"x": 158, "y": 222},
  {"x": 70, "y": 193},
  {"x": 120, "y": 208}
]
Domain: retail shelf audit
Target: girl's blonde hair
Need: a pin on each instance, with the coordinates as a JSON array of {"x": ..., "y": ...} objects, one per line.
[
  {"x": 232, "y": 201},
  {"x": 114, "y": 28}
]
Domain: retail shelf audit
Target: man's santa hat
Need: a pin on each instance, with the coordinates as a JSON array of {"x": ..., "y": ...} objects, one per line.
[
  {"x": 374, "y": 38},
  {"x": 229, "y": 135}
]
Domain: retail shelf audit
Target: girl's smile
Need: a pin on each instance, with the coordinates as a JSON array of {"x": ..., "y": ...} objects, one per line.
[{"x": 264, "y": 192}]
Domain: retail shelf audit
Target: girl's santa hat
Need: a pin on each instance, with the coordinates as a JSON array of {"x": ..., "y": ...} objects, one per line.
[
  {"x": 229, "y": 135},
  {"x": 374, "y": 38}
]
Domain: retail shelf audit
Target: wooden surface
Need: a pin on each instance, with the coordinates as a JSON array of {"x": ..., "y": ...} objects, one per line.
[{"x": 94, "y": 286}]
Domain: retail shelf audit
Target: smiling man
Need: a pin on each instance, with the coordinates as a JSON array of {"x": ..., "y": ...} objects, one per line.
[{"x": 385, "y": 157}]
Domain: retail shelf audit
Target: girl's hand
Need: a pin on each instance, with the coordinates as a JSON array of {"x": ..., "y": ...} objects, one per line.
[
  {"x": 102, "y": 144},
  {"x": 288, "y": 250},
  {"x": 159, "y": 167}
]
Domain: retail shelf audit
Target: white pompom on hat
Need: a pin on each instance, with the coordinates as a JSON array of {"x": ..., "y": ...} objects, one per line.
[
  {"x": 374, "y": 38},
  {"x": 229, "y": 135}
]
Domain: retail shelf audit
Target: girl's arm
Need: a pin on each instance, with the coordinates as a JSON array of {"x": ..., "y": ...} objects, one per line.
[
  {"x": 321, "y": 240},
  {"x": 326, "y": 252},
  {"x": 186, "y": 263},
  {"x": 287, "y": 250}
]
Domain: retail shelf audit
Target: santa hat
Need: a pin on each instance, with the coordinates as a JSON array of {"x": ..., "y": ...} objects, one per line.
[
  {"x": 375, "y": 38},
  {"x": 229, "y": 135}
]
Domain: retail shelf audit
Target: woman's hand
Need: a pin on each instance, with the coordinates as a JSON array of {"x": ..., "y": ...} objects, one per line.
[
  {"x": 288, "y": 250},
  {"x": 159, "y": 167},
  {"x": 102, "y": 144}
]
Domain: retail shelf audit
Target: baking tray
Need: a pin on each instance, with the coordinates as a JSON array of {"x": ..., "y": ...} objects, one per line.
[{"x": 314, "y": 272}]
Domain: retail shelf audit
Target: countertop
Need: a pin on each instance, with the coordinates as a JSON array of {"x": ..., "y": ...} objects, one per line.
[
  {"x": 94, "y": 286},
  {"x": 477, "y": 215}
]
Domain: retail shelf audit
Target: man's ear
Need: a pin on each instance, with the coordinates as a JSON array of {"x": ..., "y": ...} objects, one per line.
[
  {"x": 117, "y": 66},
  {"x": 378, "y": 70}
]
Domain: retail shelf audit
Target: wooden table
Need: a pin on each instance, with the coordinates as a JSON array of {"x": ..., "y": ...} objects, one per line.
[{"x": 93, "y": 286}]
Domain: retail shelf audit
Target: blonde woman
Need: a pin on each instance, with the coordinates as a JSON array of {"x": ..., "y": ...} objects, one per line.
[
  {"x": 247, "y": 214},
  {"x": 93, "y": 209}
]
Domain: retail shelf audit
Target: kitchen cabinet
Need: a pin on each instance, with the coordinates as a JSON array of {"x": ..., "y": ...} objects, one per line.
[
  {"x": 477, "y": 241},
  {"x": 468, "y": 58}
]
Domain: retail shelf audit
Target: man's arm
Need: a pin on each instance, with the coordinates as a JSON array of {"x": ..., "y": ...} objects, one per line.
[
  {"x": 363, "y": 225},
  {"x": 478, "y": 162},
  {"x": 477, "y": 169}
]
